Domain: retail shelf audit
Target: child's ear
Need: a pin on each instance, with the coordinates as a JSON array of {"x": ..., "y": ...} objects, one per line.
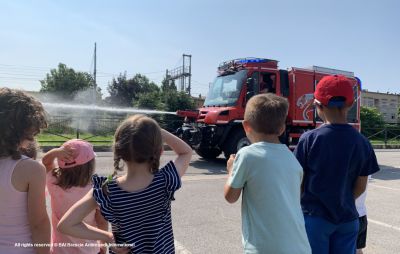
[
  {"x": 246, "y": 126},
  {"x": 282, "y": 130}
]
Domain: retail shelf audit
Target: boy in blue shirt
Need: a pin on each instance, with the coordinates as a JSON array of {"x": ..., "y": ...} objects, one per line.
[
  {"x": 336, "y": 160},
  {"x": 269, "y": 176}
]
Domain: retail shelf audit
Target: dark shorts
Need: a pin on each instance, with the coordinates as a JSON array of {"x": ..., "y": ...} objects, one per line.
[
  {"x": 362, "y": 232},
  {"x": 327, "y": 237}
]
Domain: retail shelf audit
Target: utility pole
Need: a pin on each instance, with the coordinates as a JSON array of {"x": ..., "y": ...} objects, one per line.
[
  {"x": 95, "y": 69},
  {"x": 95, "y": 73}
]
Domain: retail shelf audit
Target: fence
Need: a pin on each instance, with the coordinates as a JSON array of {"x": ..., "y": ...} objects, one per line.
[
  {"x": 386, "y": 135},
  {"x": 97, "y": 130}
]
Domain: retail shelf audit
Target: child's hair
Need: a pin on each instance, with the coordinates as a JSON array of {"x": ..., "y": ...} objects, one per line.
[
  {"x": 266, "y": 113},
  {"x": 138, "y": 139},
  {"x": 31, "y": 150},
  {"x": 79, "y": 171},
  {"x": 22, "y": 117},
  {"x": 78, "y": 176}
]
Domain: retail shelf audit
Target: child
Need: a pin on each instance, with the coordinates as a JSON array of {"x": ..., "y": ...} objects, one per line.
[
  {"x": 363, "y": 222},
  {"x": 137, "y": 204},
  {"x": 336, "y": 160},
  {"x": 269, "y": 176},
  {"x": 23, "y": 215},
  {"x": 67, "y": 184}
]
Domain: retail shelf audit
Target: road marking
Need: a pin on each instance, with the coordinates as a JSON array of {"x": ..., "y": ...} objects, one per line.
[
  {"x": 384, "y": 224},
  {"x": 383, "y": 187},
  {"x": 180, "y": 249}
]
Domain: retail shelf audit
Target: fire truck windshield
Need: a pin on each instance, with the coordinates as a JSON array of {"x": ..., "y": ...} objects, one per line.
[{"x": 226, "y": 89}]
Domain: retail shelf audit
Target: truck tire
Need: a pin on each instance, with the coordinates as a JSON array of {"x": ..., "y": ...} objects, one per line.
[
  {"x": 208, "y": 153},
  {"x": 235, "y": 141}
]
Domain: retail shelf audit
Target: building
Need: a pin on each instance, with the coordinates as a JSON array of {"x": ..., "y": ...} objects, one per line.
[{"x": 386, "y": 103}]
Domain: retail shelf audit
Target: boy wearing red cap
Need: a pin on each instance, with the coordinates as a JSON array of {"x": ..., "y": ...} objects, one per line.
[{"x": 336, "y": 160}]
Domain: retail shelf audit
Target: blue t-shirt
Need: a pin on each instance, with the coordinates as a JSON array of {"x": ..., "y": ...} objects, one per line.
[
  {"x": 333, "y": 156},
  {"x": 142, "y": 218},
  {"x": 272, "y": 221}
]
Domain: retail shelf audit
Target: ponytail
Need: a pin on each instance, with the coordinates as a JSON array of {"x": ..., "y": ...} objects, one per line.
[
  {"x": 117, "y": 168},
  {"x": 155, "y": 164}
]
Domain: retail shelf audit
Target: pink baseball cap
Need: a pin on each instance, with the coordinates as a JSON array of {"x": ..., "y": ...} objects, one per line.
[{"x": 83, "y": 153}]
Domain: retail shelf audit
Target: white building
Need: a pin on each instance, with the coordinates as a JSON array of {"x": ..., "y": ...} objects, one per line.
[{"x": 386, "y": 103}]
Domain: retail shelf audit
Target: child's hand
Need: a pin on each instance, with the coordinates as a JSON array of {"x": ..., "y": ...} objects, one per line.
[
  {"x": 66, "y": 153},
  {"x": 117, "y": 250},
  {"x": 229, "y": 163}
]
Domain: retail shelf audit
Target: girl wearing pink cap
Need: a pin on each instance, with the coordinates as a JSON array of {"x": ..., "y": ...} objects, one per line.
[{"x": 67, "y": 184}]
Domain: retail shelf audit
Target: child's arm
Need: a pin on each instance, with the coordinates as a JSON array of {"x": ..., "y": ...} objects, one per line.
[
  {"x": 359, "y": 186},
  {"x": 231, "y": 194},
  {"x": 103, "y": 225},
  {"x": 64, "y": 153},
  {"x": 37, "y": 214},
  {"x": 183, "y": 150},
  {"x": 72, "y": 222}
]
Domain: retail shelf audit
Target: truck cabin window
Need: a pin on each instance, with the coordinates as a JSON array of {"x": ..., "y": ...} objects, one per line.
[{"x": 226, "y": 89}]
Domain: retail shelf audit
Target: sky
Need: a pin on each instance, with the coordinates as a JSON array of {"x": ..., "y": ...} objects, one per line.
[{"x": 150, "y": 36}]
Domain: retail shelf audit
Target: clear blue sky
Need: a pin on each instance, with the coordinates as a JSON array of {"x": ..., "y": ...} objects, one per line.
[{"x": 151, "y": 36}]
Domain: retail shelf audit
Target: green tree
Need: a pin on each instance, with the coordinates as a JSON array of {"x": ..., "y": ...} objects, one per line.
[
  {"x": 168, "y": 85},
  {"x": 151, "y": 100},
  {"x": 66, "y": 81},
  {"x": 126, "y": 92},
  {"x": 371, "y": 120},
  {"x": 174, "y": 101},
  {"x": 398, "y": 112}
]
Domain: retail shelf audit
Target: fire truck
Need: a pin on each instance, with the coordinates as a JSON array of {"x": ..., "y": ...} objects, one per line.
[{"x": 217, "y": 126}]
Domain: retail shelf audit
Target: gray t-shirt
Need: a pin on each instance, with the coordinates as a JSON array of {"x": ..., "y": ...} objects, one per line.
[{"x": 272, "y": 220}]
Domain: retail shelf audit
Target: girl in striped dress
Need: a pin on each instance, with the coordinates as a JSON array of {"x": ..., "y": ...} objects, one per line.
[{"x": 137, "y": 204}]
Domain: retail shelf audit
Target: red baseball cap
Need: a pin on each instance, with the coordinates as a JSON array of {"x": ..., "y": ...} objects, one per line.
[
  {"x": 334, "y": 86},
  {"x": 83, "y": 153}
]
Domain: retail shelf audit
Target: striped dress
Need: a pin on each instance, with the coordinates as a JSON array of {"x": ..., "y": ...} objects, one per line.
[{"x": 143, "y": 218}]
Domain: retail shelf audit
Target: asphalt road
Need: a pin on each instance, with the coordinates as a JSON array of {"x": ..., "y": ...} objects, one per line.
[{"x": 205, "y": 223}]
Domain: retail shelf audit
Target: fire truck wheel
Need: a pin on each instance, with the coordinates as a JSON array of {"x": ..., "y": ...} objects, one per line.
[
  {"x": 235, "y": 142},
  {"x": 208, "y": 153}
]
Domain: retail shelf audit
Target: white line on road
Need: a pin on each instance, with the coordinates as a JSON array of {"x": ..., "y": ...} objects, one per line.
[
  {"x": 180, "y": 249},
  {"x": 384, "y": 224},
  {"x": 383, "y": 187}
]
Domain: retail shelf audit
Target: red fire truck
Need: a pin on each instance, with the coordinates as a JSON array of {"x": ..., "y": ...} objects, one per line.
[{"x": 217, "y": 128}]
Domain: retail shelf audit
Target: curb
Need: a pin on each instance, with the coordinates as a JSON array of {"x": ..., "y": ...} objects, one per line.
[
  {"x": 95, "y": 148},
  {"x": 386, "y": 146}
]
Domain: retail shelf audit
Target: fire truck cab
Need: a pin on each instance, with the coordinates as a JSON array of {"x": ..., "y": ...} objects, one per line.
[{"x": 216, "y": 127}]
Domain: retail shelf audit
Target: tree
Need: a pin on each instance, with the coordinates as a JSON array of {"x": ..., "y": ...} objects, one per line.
[
  {"x": 66, "y": 82},
  {"x": 174, "y": 101},
  {"x": 151, "y": 100},
  {"x": 168, "y": 85},
  {"x": 126, "y": 92},
  {"x": 371, "y": 120}
]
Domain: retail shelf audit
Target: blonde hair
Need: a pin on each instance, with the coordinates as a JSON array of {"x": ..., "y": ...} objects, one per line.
[
  {"x": 138, "y": 139},
  {"x": 266, "y": 113}
]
